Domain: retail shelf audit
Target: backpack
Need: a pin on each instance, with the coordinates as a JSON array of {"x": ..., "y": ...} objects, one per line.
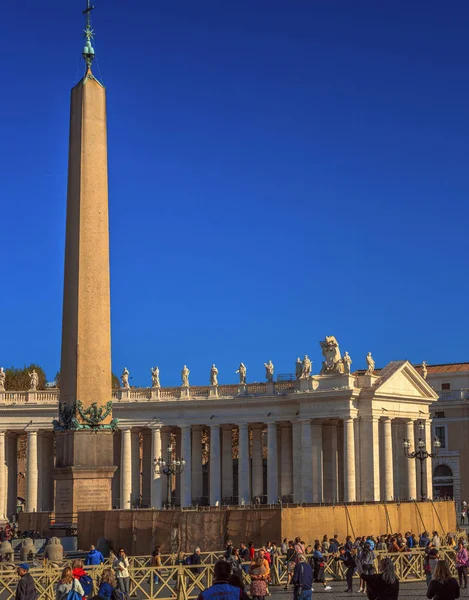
[
  {"x": 118, "y": 595},
  {"x": 86, "y": 584},
  {"x": 73, "y": 594}
]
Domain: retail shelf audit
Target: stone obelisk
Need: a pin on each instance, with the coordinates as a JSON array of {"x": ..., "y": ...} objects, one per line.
[{"x": 84, "y": 440}]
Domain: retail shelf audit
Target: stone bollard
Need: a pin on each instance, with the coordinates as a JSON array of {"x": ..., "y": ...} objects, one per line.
[
  {"x": 28, "y": 550},
  {"x": 6, "y": 552},
  {"x": 54, "y": 550}
]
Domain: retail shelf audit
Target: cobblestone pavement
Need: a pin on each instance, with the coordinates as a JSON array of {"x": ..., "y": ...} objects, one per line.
[{"x": 407, "y": 591}]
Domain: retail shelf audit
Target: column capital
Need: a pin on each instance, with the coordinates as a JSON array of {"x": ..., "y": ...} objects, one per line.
[
  {"x": 386, "y": 418},
  {"x": 214, "y": 426},
  {"x": 243, "y": 425},
  {"x": 155, "y": 426}
]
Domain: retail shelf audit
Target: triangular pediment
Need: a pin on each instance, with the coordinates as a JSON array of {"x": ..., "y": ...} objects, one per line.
[{"x": 401, "y": 379}]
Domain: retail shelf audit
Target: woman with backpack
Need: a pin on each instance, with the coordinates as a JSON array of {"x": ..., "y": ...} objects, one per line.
[
  {"x": 291, "y": 562},
  {"x": 107, "y": 584},
  {"x": 318, "y": 563},
  {"x": 68, "y": 587},
  {"x": 82, "y": 576},
  {"x": 121, "y": 567}
]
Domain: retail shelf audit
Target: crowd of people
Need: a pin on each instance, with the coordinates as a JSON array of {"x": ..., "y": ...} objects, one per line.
[{"x": 303, "y": 565}]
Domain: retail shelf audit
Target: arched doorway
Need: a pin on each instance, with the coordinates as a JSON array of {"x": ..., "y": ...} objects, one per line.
[{"x": 443, "y": 482}]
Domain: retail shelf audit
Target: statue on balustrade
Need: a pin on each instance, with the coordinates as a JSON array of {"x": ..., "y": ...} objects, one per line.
[
  {"x": 125, "y": 379},
  {"x": 3, "y": 377},
  {"x": 185, "y": 376},
  {"x": 423, "y": 370},
  {"x": 306, "y": 367},
  {"x": 155, "y": 378},
  {"x": 347, "y": 363},
  {"x": 371, "y": 364},
  {"x": 242, "y": 373},
  {"x": 33, "y": 380},
  {"x": 298, "y": 368},
  {"x": 213, "y": 375},
  {"x": 269, "y": 371},
  {"x": 332, "y": 359}
]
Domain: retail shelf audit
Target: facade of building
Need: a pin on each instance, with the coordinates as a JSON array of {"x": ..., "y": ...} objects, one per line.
[{"x": 323, "y": 438}]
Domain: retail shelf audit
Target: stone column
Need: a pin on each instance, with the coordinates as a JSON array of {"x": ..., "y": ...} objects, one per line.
[
  {"x": 197, "y": 475},
  {"x": 411, "y": 471},
  {"x": 286, "y": 454},
  {"x": 156, "y": 478},
  {"x": 226, "y": 463},
  {"x": 318, "y": 468},
  {"x": 272, "y": 464},
  {"x": 135, "y": 468},
  {"x": 369, "y": 451},
  {"x": 215, "y": 471},
  {"x": 165, "y": 443},
  {"x": 2, "y": 476},
  {"x": 306, "y": 461},
  {"x": 297, "y": 465},
  {"x": 31, "y": 472},
  {"x": 147, "y": 467},
  {"x": 388, "y": 461},
  {"x": 429, "y": 462},
  {"x": 257, "y": 462},
  {"x": 126, "y": 468},
  {"x": 11, "y": 451},
  {"x": 177, "y": 478},
  {"x": 244, "y": 492},
  {"x": 45, "y": 471},
  {"x": 186, "y": 475},
  {"x": 116, "y": 480},
  {"x": 349, "y": 460}
]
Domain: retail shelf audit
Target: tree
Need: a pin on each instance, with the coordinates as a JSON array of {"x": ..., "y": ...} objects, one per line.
[{"x": 19, "y": 380}]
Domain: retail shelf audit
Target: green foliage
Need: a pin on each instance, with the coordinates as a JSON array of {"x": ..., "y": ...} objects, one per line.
[{"x": 19, "y": 380}]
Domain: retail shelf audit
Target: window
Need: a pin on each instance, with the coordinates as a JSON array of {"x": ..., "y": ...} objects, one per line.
[
  {"x": 439, "y": 415},
  {"x": 440, "y": 433},
  {"x": 445, "y": 386}
]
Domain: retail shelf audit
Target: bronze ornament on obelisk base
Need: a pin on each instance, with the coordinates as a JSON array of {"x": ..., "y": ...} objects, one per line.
[{"x": 84, "y": 430}]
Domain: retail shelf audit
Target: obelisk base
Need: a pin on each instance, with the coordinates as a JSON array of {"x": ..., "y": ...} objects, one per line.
[{"x": 83, "y": 474}]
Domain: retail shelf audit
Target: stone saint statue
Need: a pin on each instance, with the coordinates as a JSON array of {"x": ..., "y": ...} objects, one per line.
[
  {"x": 423, "y": 371},
  {"x": 306, "y": 367},
  {"x": 298, "y": 368},
  {"x": 125, "y": 379},
  {"x": 371, "y": 364},
  {"x": 242, "y": 373},
  {"x": 347, "y": 363},
  {"x": 33, "y": 380},
  {"x": 155, "y": 378},
  {"x": 269, "y": 371},
  {"x": 3, "y": 377},
  {"x": 332, "y": 360},
  {"x": 185, "y": 376},
  {"x": 213, "y": 375}
]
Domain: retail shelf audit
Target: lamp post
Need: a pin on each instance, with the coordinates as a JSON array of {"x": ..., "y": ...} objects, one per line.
[
  {"x": 421, "y": 454},
  {"x": 169, "y": 467}
]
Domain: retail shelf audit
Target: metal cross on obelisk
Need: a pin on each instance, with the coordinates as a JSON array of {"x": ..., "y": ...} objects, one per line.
[{"x": 88, "y": 51}]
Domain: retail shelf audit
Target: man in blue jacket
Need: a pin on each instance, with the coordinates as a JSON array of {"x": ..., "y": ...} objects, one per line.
[
  {"x": 302, "y": 579},
  {"x": 94, "y": 557}
]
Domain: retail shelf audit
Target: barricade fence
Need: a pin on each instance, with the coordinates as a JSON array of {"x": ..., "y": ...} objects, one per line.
[{"x": 185, "y": 582}]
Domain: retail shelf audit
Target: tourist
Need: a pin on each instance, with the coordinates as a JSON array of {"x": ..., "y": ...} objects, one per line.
[
  {"x": 348, "y": 544},
  {"x": 443, "y": 586},
  {"x": 385, "y": 584},
  {"x": 299, "y": 547},
  {"x": 436, "y": 540},
  {"x": 237, "y": 582},
  {"x": 107, "y": 584},
  {"x": 252, "y": 551},
  {"x": 325, "y": 544},
  {"x": 291, "y": 562},
  {"x": 302, "y": 579},
  {"x": 67, "y": 584},
  {"x": 424, "y": 539},
  {"x": 229, "y": 549},
  {"x": 196, "y": 560},
  {"x": 94, "y": 557},
  {"x": 244, "y": 556},
  {"x": 430, "y": 563},
  {"x": 259, "y": 572},
  {"x": 82, "y": 576},
  {"x": 462, "y": 559},
  {"x": 156, "y": 564},
  {"x": 235, "y": 562},
  {"x": 25, "y": 590},
  {"x": 284, "y": 547},
  {"x": 318, "y": 564},
  {"x": 463, "y": 515},
  {"x": 221, "y": 589},
  {"x": 121, "y": 567},
  {"x": 349, "y": 559}
]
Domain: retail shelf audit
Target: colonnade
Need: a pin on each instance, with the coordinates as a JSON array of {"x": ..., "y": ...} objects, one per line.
[{"x": 308, "y": 460}]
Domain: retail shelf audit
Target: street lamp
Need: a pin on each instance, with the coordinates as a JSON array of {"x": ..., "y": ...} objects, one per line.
[
  {"x": 421, "y": 454},
  {"x": 169, "y": 467}
]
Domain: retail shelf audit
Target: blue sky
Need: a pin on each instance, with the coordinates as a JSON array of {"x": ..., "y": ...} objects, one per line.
[{"x": 278, "y": 171}]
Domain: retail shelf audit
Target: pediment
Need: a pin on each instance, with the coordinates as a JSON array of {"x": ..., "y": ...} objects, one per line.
[{"x": 404, "y": 380}]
